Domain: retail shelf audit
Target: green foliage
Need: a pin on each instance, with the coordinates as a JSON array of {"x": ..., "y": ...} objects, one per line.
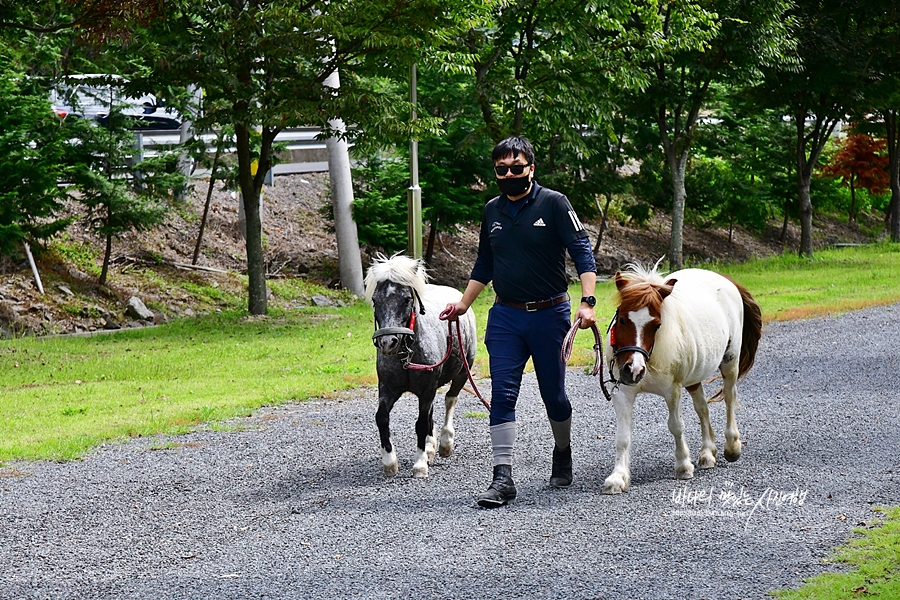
[
  {"x": 34, "y": 146},
  {"x": 874, "y": 557},
  {"x": 379, "y": 205},
  {"x": 119, "y": 191}
]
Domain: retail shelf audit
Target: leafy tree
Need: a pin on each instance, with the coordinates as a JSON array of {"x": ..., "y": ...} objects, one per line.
[
  {"x": 881, "y": 105},
  {"x": 455, "y": 166},
  {"x": 120, "y": 193},
  {"x": 860, "y": 163},
  {"x": 98, "y": 18},
  {"x": 262, "y": 63},
  {"x": 741, "y": 170},
  {"x": 825, "y": 88},
  {"x": 379, "y": 205},
  {"x": 34, "y": 145},
  {"x": 694, "y": 46}
]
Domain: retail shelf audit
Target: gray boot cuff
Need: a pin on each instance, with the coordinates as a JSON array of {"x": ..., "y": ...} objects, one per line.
[
  {"x": 562, "y": 432},
  {"x": 503, "y": 437}
]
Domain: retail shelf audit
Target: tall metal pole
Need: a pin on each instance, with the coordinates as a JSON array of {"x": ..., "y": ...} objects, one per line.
[{"x": 414, "y": 193}]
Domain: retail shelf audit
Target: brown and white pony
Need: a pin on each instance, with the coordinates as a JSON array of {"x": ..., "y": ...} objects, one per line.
[{"x": 672, "y": 334}]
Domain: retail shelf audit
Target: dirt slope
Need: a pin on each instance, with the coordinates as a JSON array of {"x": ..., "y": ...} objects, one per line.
[{"x": 297, "y": 240}]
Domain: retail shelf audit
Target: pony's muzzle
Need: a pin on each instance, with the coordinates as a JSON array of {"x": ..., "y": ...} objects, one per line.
[
  {"x": 388, "y": 344},
  {"x": 632, "y": 372}
]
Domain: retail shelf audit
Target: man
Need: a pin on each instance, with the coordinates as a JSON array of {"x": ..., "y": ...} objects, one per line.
[{"x": 525, "y": 234}]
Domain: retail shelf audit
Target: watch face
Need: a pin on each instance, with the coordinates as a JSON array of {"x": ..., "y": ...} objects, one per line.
[{"x": 589, "y": 300}]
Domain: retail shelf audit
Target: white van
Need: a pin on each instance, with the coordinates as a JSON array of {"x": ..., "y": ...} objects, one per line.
[{"x": 93, "y": 96}]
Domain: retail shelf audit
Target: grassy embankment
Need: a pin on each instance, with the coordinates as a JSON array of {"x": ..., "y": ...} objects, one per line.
[{"x": 62, "y": 396}]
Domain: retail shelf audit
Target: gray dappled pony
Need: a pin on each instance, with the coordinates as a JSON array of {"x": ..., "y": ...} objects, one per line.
[{"x": 408, "y": 330}]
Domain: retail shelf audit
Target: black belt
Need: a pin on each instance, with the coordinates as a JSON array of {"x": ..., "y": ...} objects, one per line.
[{"x": 533, "y": 306}]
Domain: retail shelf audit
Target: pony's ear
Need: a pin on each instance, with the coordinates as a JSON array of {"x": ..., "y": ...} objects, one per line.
[
  {"x": 621, "y": 282},
  {"x": 666, "y": 289}
]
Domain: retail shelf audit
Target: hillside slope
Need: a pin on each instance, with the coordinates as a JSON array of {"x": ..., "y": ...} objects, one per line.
[{"x": 155, "y": 266}]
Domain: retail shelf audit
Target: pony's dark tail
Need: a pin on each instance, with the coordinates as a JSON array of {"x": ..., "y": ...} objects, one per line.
[
  {"x": 750, "y": 335},
  {"x": 752, "y": 330}
]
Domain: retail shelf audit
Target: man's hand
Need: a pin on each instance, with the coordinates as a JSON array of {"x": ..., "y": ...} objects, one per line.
[
  {"x": 587, "y": 316},
  {"x": 453, "y": 310}
]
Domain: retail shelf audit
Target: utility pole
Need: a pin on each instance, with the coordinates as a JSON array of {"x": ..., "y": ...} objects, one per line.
[
  {"x": 414, "y": 193},
  {"x": 349, "y": 259}
]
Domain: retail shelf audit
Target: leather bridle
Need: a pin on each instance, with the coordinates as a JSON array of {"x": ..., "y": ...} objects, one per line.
[
  {"x": 617, "y": 351},
  {"x": 408, "y": 334}
]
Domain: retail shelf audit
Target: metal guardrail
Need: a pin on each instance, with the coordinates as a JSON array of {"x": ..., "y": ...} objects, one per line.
[{"x": 305, "y": 153}]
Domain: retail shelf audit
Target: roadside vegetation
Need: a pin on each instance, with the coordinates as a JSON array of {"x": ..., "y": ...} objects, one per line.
[
  {"x": 874, "y": 558},
  {"x": 63, "y": 396}
]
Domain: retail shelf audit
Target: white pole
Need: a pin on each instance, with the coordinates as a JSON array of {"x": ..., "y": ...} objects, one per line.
[
  {"x": 349, "y": 259},
  {"x": 37, "y": 276}
]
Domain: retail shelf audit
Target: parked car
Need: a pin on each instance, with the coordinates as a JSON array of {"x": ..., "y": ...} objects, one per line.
[{"x": 95, "y": 96}]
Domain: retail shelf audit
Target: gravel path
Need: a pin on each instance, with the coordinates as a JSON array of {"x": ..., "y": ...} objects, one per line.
[{"x": 290, "y": 503}]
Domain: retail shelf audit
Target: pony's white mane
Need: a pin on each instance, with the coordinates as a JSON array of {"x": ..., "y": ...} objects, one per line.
[
  {"x": 399, "y": 269},
  {"x": 651, "y": 274}
]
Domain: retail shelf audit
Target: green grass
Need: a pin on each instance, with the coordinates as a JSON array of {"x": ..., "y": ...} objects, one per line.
[
  {"x": 63, "y": 396},
  {"x": 874, "y": 558},
  {"x": 788, "y": 287}
]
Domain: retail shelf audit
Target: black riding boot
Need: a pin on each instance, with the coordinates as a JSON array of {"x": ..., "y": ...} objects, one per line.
[
  {"x": 501, "y": 490},
  {"x": 561, "y": 475}
]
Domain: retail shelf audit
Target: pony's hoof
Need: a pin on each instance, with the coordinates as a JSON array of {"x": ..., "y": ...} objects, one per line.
[
  {"x": 446, "y": 447},
  {"x": 706, "y": 461},
  {"x": 389, "y": 462},
  {"x": 614, "y": 485},
  {"x": 420, "y": 471},
  {"x": 430, "y": 447},
  {"x": 732, "y": 456},
  {"x": 685, "y": 472}
]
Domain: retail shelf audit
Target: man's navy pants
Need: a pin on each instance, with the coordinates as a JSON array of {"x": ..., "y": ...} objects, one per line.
[{"x": 511, "y": 337}]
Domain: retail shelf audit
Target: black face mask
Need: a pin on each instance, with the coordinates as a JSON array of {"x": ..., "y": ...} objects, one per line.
[{"x": 514, "y": 186}]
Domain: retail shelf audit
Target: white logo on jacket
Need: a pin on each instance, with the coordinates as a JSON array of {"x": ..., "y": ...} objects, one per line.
[
  {"x": 540, "y": 223},
  {"x": 496, "y": 226}
]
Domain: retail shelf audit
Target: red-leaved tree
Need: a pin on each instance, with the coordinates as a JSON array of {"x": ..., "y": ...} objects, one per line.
[{"x": 860, "y": 163}]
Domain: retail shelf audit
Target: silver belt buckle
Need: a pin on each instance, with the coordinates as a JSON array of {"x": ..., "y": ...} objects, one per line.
[{"x": 531, "y": 306}]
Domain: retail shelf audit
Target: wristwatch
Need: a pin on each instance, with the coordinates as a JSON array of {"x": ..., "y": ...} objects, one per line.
[{"x": 589, "y": 300}]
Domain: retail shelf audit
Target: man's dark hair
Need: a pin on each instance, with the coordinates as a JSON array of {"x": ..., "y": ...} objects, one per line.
[{"x": 513, "y": 146}]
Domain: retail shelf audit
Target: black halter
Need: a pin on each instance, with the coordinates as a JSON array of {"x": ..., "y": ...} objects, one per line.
[
  {"x": 617, "y": 351},
  {"x": 404, "y": 331}
]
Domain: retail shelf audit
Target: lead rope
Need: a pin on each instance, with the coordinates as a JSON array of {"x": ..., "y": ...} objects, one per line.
[
  {"x": 446, "y": 316},
  {"x": 566, "y": 352}
]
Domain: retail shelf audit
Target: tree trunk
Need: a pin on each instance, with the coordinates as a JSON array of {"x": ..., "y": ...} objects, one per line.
[
  {"x": 432, "y": 234},
  {"x": 256, "y": 269},
  {"x": 107, "y": 255},
  {"x": 209, "y": 193},
  {"x": 803, "y": 181},
  {"x": 677, "y": 166},
  {"x": 818, "y": 137},
  {"x": 603, "y": 224},
  {"x": 891, "y": 121},
  {"x": 784, "y": 225}
]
